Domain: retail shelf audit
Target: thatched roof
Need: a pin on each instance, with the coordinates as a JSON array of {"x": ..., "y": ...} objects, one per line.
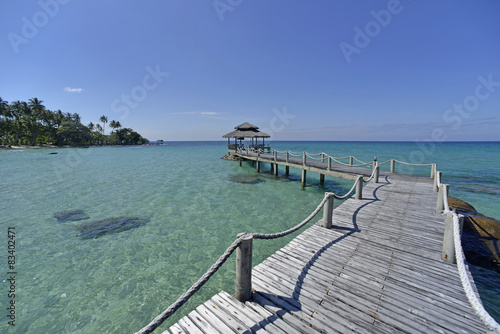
[
  {"x": 246, "y": 126},
  {"x": 246, "y": 130}
]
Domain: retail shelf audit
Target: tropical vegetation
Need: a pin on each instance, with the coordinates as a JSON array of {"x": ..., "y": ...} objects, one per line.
[{"x": 31, "y": 123}]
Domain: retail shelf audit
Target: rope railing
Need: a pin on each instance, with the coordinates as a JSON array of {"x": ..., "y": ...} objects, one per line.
[
  {"x": 191, "y": 291},
  {"x": 453, "y": 252},
  {"x": 327, "y": 217},
  {"x": 466, "y": 284}
]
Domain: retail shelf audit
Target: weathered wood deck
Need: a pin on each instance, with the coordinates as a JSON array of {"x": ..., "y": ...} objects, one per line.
[{"x": 378, "y": 270}]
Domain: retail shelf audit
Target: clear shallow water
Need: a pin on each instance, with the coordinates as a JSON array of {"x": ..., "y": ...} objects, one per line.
[{"x": 195, "y": 204}]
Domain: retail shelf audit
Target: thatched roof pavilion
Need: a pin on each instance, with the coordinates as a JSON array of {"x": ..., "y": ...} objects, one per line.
[{"x": 246, "y": 130}]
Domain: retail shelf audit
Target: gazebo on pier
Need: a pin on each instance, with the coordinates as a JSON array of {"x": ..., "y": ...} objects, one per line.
[{"x": 250, "y": 131}]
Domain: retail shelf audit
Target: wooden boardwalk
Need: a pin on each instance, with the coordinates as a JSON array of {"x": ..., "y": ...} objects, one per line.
[{"x": 377, "y": 270}]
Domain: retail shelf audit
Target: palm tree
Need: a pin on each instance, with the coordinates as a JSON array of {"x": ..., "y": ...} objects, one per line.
[
  {"x": 104, "y": 120},
  {"x": 36, "y": 109},
  {"x": 115, "y": 124},
  {"x": 99, "y": 129}
]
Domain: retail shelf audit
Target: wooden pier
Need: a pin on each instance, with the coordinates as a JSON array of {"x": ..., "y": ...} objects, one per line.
[{"x": 378, "y": 269}]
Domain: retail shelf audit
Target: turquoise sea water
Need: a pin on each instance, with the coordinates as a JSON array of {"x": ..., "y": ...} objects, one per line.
[{"x": 194, "y": 205}]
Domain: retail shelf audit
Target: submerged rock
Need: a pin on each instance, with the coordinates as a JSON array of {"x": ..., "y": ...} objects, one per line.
[
  {"x": 480, "y": 237},
  {"x": 99, "y": 228},
  {"x": 245, "y": 179},
  {"x": 70, "y": 215},
  {"x": 231, "y": 157}
]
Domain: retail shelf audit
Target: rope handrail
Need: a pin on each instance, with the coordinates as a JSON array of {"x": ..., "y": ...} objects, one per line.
[
  {"x": 410, "y": 164},
  {"x": 191, "y": 291},
  {"x": 383, "y": 163},
  {"x": 311, "y": 156},
  {"x": 466, "y": 284},
  {"x": 295, "y": 228},
  {"x": 349, "y": 165},
  {"x": 361, "y": 162},
  {"x": 373, "y": 173},
  {"x": 156, "y": 322},
  {"x": 460, "y": 261}
]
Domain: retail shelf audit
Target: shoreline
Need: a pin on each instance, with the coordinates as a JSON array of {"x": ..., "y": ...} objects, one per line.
[{"x": 34, "y": 147}]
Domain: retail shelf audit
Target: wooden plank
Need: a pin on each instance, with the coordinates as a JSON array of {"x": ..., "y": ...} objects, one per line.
[
  {"x": 201, "y": 323},
  {"x": 189, "y": 326},
  {"x": 214, "y": 321},
  {"x": 377, "y": 270},
  {"x": 244, "y": 313},
  {"x": 175, "y": 329}
]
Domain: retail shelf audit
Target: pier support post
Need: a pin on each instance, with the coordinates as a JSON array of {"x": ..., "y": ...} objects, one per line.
[
  {"x": 275, "y": 169},
  {"x": 258, "y": 166},
  {"x": 440, "y": 201},
  {"x": 240, "y": 161},
  {"x": 287, "y": 170},
  {"x": 393, "y": 165},
  {"x": 448, "y": 253},
  {"x": 272, "y": 168},
  {"x": 304, "y": 158},
  {"x": 376, "y": 174},
  {"x": 322, "y": 179},
  {"x": 437, "y": 180},
  {"x": 359, "y": 187},
  {"x": 243, "y": 285},
  {"x": 329, "y": 163},
  {"x": 287, "y": 156},
  {"x": 328, "y": 212},
  {"x": 303, "y": 183}
]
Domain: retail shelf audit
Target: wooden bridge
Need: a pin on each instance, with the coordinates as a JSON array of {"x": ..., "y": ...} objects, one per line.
[{"x": 378, "y": 263}]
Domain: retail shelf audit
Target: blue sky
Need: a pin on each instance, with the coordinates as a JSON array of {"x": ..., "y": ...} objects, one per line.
[{"x": 300, "y": 70}]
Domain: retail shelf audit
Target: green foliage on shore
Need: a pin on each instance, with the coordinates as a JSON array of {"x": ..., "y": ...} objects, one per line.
[{"x": 30, "y": 123}]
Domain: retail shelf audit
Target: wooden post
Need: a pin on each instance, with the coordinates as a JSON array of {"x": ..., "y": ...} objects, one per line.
[
  {"x": 243, "y": 285},
  {"x": 433, "y": 171},
  {"x": 240, "y": 161},
  {"x": 322, "y": 179},
  {"x": 287, "y": 156},
  {"x": 304, "y": 158},
  {"x": 258, "y": 166},
  {"x": 393, "y": 163},
  {"x": 376, "y": 174},
  {"x": 287, "y": 170},
  {"x": 437, "y": 180},
  {"x": 272, "y": 168},
  {"x": 374, "y": 162},
  {"x": 329, "y": 163},
  {"x": 322, "y": 157},
  {"x": 275, "y": 169},
  {"x": 303, "y": 183},
  {"x": 448, "y": 254},
  {"x": 328, "y": 212},
  {"x": 440, "y": 201},
  {"x": 350, "y": 160},
  {"x": 359, "y": 187}
]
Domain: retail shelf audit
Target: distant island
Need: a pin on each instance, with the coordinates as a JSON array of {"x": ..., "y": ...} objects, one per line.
[{"x": 31, "y": 124}]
